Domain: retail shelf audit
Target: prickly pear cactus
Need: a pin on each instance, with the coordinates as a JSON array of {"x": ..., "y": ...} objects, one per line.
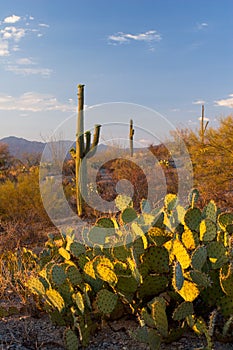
[
  {"x": 106, "y": 301},
  {"x": 183, "y": 310},
  {"x": 192, "y": 219},
  {"x": 71, "y": 340}
]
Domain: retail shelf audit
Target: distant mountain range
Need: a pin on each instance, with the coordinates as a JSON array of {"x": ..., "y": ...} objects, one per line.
[{"x": 19, "y": 147}]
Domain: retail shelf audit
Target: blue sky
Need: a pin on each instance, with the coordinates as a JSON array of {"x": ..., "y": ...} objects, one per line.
[{"x": 168, "y": 55}]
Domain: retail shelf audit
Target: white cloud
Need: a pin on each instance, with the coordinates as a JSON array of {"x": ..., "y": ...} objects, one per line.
[
  {"x": 205, "y": 119},
  {"x": 149, "y": 36},
  {"x": 12, "y": 19},
  {"x": 202, "y": 25},
  {"x": 10, "y": 42},
  {"x": 46, "y": 72},
  {"x": 43, "y": 25},
  {"x": 33, "y": 102},
  {"x": 198, "y": 102},
  {"x": 12, "y": 33},
  {"x": 24, "y": 61},
  {"x": 227, "y": 102},
  {"x": 4, "y": 48}
]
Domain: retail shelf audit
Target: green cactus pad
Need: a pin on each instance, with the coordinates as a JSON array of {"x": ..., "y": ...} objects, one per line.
[
  {"x": 208, "y": 230},
  {"x": 105, "y": 222},
  {"x": 55, "y": 299},
  {"x": 71, "y": 340},
  {"x": 190, "y": 239},
  {"x": 200, "y": 278},
  {"x": 58, "y": 275},
  {"x": 178, "y": 278},
  {"x": 78, "y": 299},
  {"x": 121, "y": 269},
  {"x": 152, "y": 286},
  {"x": 181, "y": 254},
  {"x": 217, "y": 254},
  {"x": 159, "y": 236},
  {"x": 144, "y": 270},
  {"x": 189, "y": 291},
  {"x": 57, "y": 318},
  {"x": 106, "y": 301},
  {"x": 127, "y": 284},
  {"x": 74, "y": 275},
  {"x": 157, "y": 258},
  {"x": 123, "y": 202},
  {"x": 98, "y": 235},
  {"x": 147, "y": 318},
  {"x": 170, "y": 201},
  {"x": 193, "y": 197},
  {"x": 128, "y": 215},
  {"x": 139, "y": 246},
  {"x": 192, "y": 218},
  {"x": 183, "y": 310},
  {"x": 121, "y": 253},
  {"x": 158, "y": 313},
  {"x": 210, "y": 211},
  {"x": 66, "y": 290},
  {"x": 76, "y": 249},
  {"x": 226, "y": 279},
  {"x": 211, "y": 295},
  {"x": 199, "y": 257},
  {"x": 226, "y": 305},
  {"x": 225, "y": 219},
  {"x": 36, "y": 286},
  {"x": 82, "y": 260}
]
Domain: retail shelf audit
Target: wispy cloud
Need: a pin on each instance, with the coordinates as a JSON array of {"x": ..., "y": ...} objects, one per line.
[
  {"x": 122, "y": 38},
  {"x": 34, "y": 102},
  {"x": 12, "y": 34},
  {"x": 24, "y": 61},
  {"x": 12, "y": 19},
  {"x": 44, "y": 25},
  {"x": 46, "y": 72},
  {"x": 198, "y": 102},
  {"x": 227, "y": 102},
  {"x": 202, "y": 25},
  {"x": 4, "y": 48}
]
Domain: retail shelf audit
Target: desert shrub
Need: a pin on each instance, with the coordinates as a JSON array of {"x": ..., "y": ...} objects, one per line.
[
  {"x": 213, "y": 161},
  {"x": 21, "y": 199}
]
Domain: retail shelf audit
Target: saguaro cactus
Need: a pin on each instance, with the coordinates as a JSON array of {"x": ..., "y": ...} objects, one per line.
[
  {"x": 131, "y": 133},
  {"x": 203, "y": 125},
  {"x": 84, "y": 149}
]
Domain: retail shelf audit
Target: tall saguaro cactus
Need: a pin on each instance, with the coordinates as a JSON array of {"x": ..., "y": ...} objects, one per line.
[
  {"x": 84, "y": 149},
  {"x": 131, "y": 133},
  {"x": 203, "y": 125}
]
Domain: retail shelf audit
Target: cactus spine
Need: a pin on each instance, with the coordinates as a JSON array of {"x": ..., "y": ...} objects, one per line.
[
  {"x": 83, "y": 150},
  {"x": 131, "y": 134}
]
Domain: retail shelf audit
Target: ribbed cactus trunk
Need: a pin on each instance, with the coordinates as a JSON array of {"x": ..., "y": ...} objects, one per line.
[
  {"x": 131, "y": 133},
  {"x": 203, "y": 125},
  {"x": 79, "y": 150},
  {"x": 84, "y": 150}
]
